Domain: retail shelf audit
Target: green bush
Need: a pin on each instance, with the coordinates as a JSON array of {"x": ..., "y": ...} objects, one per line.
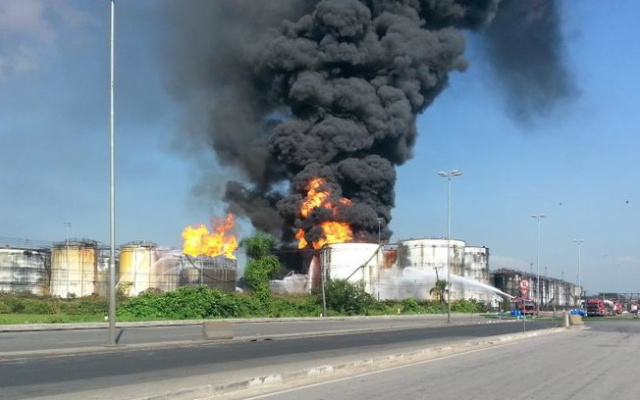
[
  {"x": 467, "y": 306},
  {"x": 4, "y": 308},
  {"x": 295, "y": 306},
  {"x": 346, "y": 298},
  {"x": 411, "y": 306},
  {"x": 186, "y": 303},
  {"x": 85, "y": 306}
]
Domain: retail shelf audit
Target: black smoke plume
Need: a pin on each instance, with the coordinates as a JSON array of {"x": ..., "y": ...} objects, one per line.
[
  {"x": 526, "y": 50},
  {"x": 298, "y": 89}
]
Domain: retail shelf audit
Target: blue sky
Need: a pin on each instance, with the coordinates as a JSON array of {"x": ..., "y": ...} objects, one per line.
[{"x": 579, "y": 165}]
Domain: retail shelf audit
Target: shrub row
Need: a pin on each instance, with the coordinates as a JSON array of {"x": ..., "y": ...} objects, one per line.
[
  {"x": 49, "y": 306},
  {"x": 342, "y": 298}
]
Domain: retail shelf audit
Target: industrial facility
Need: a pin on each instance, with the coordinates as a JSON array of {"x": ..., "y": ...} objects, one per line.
[
  {"x": 553, "y": 292},
  {"x": 78, "y": 267},
  {"x": 406, "y": 269}
]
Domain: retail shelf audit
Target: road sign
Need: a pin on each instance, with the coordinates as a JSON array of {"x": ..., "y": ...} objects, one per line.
[{"x": 524, "y": 287}]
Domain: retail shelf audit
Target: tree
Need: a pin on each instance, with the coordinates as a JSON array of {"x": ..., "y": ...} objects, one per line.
[
  {"x": 263, "y": 265},
  {"x": 439, "y": 290}
]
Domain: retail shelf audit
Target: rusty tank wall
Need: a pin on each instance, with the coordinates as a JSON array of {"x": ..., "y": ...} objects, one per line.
[
  {"x": 74, "y": 268},
  {"x": 476, "y": 268},
  {"x": 23, "y": 270},
  {"x": 137, "y": 271}
]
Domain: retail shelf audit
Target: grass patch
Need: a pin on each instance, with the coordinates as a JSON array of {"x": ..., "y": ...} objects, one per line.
[{"x": 17, "y": 319}]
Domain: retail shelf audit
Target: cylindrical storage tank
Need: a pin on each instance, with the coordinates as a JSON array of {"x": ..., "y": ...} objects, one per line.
[
  {"x": 355, "y": 262},
  {"x": 167, "y": 269},
  {"x": 102, "y": 280},
  {"x": 74, "y": 267},
  {"x": 431, "y": 254},
  {"x": 24, "y": 270},
  {"x": 216, "y": 272},
  {"x": 476, "y": 268},
  {"x": 137, "y": 273},
  {"x": 508, "y": 281}
]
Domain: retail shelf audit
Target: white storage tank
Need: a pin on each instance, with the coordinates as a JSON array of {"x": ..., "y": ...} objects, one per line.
[
  {"x": 431, "y": 254},
  {"x": 74, "y": 267},
  {"x": 355, "y": 262},
  {"x": 24, "y": 270},
  {"x": 476, "y": 268}
]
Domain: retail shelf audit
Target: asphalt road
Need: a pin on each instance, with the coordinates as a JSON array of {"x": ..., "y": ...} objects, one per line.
[
  {"x": 12, "y": 341},
  {"x": 62, "y": 376},
  {"x": 600, "y": 363}
]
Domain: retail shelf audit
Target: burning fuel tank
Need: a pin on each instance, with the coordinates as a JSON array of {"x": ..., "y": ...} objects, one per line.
[
  {"x": 354, "y": 262},
  {"x": 216, "y": 272},
  {"x": 74, "y": 267},
  {"x": 137, "y": 272},
  {"x": 25, "y": 270}
]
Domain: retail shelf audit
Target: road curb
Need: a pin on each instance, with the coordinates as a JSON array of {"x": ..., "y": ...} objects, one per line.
[
  {"x": 328, "y": 370},
  {"x": 143, "y": 324}
]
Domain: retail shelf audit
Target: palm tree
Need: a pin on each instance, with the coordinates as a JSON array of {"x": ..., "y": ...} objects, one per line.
[{"x": 439, "y": 290}]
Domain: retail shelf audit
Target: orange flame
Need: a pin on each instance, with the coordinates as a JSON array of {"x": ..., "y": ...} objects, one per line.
[
  {"x": 333, "y": 231},
  {"x": 198, "y": 241}
]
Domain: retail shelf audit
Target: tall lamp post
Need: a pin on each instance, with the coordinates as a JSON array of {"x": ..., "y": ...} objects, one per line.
[
  {"x": 539, "y": 217},
  {"x": 579, "y": 243},
  {"x": 380, "y": 220},
  {"x": 112, "y": 263},
  {"x": 448, "y": 175}
]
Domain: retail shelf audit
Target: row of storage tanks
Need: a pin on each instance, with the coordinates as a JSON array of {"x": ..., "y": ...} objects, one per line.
[
  {"x": 410, "y": 269},
  {"x": 407, "y": 269},
  {"x": 79, "y": 267}
]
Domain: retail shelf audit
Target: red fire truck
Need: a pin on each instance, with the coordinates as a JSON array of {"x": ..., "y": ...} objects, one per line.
[
  {"x": 598, "y": 308},
  {"x": 525, "y": 305}
]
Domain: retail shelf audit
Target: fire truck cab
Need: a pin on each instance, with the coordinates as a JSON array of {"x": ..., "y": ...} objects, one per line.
[
  {"x": 598, "y": 308},
  {"x": 525, "y": 305}
]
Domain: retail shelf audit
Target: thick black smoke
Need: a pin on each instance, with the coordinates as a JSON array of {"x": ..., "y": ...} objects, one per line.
[
  {"x": 525, "y": 46},
  {"x": 299, "y": 89}
]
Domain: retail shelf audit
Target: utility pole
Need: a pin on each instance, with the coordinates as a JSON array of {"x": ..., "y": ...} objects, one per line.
[
  {"x": 539, "y": 217},
  {"x": 448, "y": 175},
  {"x": 112, "y": 261}
]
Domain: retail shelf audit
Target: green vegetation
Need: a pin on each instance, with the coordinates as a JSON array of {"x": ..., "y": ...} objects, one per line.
[
  {"x": 440, "y": 290},
  {"x": 345, "y": 298},
  {"x": 342, "y": 298},
  {"x": 261, "y": 267}
]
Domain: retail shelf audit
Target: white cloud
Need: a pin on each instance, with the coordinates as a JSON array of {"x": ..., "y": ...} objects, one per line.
[{"x": 28, "y": 27}]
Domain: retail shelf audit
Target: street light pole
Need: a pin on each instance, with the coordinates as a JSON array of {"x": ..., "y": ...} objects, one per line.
[
  {"x": 380, "y": 220},
  {"x": 448, "y": 175},
  {"x": 539, "y": 217},
  {"x": 112, "y": 263},
  {"x": 579, "y": 243}
]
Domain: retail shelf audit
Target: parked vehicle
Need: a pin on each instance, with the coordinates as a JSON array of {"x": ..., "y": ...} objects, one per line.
[
  {"x": 599, "y": 308},
  {"x": 525, "y": 305}
]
